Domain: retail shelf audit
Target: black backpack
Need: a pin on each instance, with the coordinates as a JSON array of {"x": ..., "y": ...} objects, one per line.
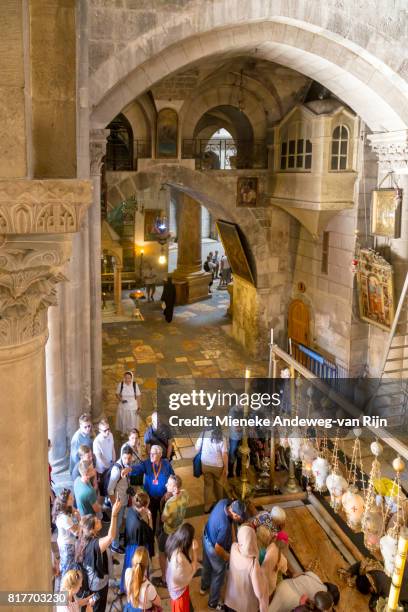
[
  {"x": 106, "y": 478},
  {"x": 206, "y": 266},
  {"x": 121, "y": 388}
]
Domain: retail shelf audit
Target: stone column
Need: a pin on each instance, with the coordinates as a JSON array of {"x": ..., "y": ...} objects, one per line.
[
  {"x": 117, "y": 288},
  {"x": 36, "y": 218},
  {"x": 190, "y": 280},
  {"x": 97, "y": 151},
  {"x": 30, "y": 268}
]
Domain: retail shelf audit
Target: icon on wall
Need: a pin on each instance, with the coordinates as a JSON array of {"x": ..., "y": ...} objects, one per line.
[
  {"x": 386, "y": 212},
  {"x": 234, "y": 250},
  {"x": 247, "y": 191},
  {"x": 167, "y": 129},
  {"x": 375, "y": 286}
]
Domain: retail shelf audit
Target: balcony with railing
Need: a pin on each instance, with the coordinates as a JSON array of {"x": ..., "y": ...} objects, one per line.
[{"x": 225, "y": 154}]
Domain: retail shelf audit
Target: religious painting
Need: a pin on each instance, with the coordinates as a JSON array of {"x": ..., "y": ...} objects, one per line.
[
  {"x": 156, "y": 225},
  {"x": 234, "y": 250},
  {"x": 167, "y": 130},
  {"x": 375, "y": 289},
  {"x": 386, "y": 212},
  {"x": 247, "y": 191}
]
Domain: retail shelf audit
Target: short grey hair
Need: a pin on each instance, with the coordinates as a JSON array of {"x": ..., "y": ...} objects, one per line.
[{"x": 156, "y": 449}]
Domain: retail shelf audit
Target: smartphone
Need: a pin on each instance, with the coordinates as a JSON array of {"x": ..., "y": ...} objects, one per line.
[{"x": 95, "y": 597}]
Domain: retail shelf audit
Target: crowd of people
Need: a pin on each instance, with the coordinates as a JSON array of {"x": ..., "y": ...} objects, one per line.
[{"x": 245, "y": 564}]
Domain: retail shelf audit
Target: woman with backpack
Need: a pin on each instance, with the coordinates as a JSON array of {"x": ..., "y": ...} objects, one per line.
[
  {"x": 141, "y": 594},
  {"x": 92, "y": 554},
  {"x": 128, "y": 394}
]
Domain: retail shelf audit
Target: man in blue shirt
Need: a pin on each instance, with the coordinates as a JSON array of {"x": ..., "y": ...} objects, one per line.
[
  {"x": 156, "y": 472},
  {"x": 83, "y": 435},
  {"x": 217, "y": 541}
]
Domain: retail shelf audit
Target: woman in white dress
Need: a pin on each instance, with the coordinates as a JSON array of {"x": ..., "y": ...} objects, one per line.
[{"x": 128, "y": 394}]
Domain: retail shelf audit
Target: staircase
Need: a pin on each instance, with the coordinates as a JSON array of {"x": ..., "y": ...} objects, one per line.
[{"x": 391, "y": 393}]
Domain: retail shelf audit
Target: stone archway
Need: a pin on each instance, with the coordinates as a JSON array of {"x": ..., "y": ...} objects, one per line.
[
  {"x": 359, "y": 67},
  {"x": 217, "y": 196}
]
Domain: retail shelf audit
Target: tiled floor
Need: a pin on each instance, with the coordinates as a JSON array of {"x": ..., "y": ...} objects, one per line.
[{"x": 196, "y": 343}]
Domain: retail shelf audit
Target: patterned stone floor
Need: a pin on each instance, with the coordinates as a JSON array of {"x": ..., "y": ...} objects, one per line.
[{"x": 197, "y": 343}]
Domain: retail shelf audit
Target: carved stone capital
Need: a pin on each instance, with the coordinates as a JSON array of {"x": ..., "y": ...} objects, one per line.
[
  {"x": 51, "y": 206},
  {"x": 391, "y": 149},
  {"x": 30, "y": 268},
  {"x": 97, "y": 149}
]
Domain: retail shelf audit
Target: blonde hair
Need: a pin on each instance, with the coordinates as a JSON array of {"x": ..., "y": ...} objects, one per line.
[
  {"x": 103, "y": 422},
  {"x": 71, "y": 580},
  {"x": 140, "y": 564},
  {"x": 263, "y": 536}
]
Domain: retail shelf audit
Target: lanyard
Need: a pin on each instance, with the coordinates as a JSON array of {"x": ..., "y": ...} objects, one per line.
[{"x": 156, "y": 474}]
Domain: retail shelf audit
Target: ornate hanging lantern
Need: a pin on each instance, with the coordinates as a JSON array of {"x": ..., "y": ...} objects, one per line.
[
  {"x": 308, "y": 453},
  {"x": 320, "y": 470},
  {"x": 372, "y": 522},
  {"x": 336, "y": 485},
  {"x": 389, "y": 542},
  {"x": 353, "y": 502},
  {"x": 335, "y": 481}
]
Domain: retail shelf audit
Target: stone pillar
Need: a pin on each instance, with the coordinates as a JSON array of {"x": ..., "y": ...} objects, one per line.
[
  {"x": 117, "y": 288},
  {"x": 30, "y": 267},
  {"x": 36, "y": 217},
  {"x": 97, "y": 151},
  {"x": 189, "y": 277}
]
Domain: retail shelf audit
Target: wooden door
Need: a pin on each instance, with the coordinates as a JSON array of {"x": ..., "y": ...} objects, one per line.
[{"x": 298, "y": 322}]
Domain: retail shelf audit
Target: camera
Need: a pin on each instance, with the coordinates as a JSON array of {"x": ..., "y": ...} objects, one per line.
[
  {"x": 124, "y": 402},
  {"x": 130, "y": 491}
]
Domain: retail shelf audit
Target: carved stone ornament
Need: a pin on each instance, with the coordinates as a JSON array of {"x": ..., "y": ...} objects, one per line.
[
  {"x": 97, "y": 149},
  {"x": 51, "y": 206},
  {"x": 391, "y": 149},
  {"x": 30, "y": 269}
]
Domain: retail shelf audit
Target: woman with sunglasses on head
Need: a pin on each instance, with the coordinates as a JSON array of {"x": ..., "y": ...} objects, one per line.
[{"x": 66, "y": 519}]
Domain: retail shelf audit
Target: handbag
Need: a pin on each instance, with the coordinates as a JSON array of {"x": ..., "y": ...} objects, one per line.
[{"x": 197, "y": 465}]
